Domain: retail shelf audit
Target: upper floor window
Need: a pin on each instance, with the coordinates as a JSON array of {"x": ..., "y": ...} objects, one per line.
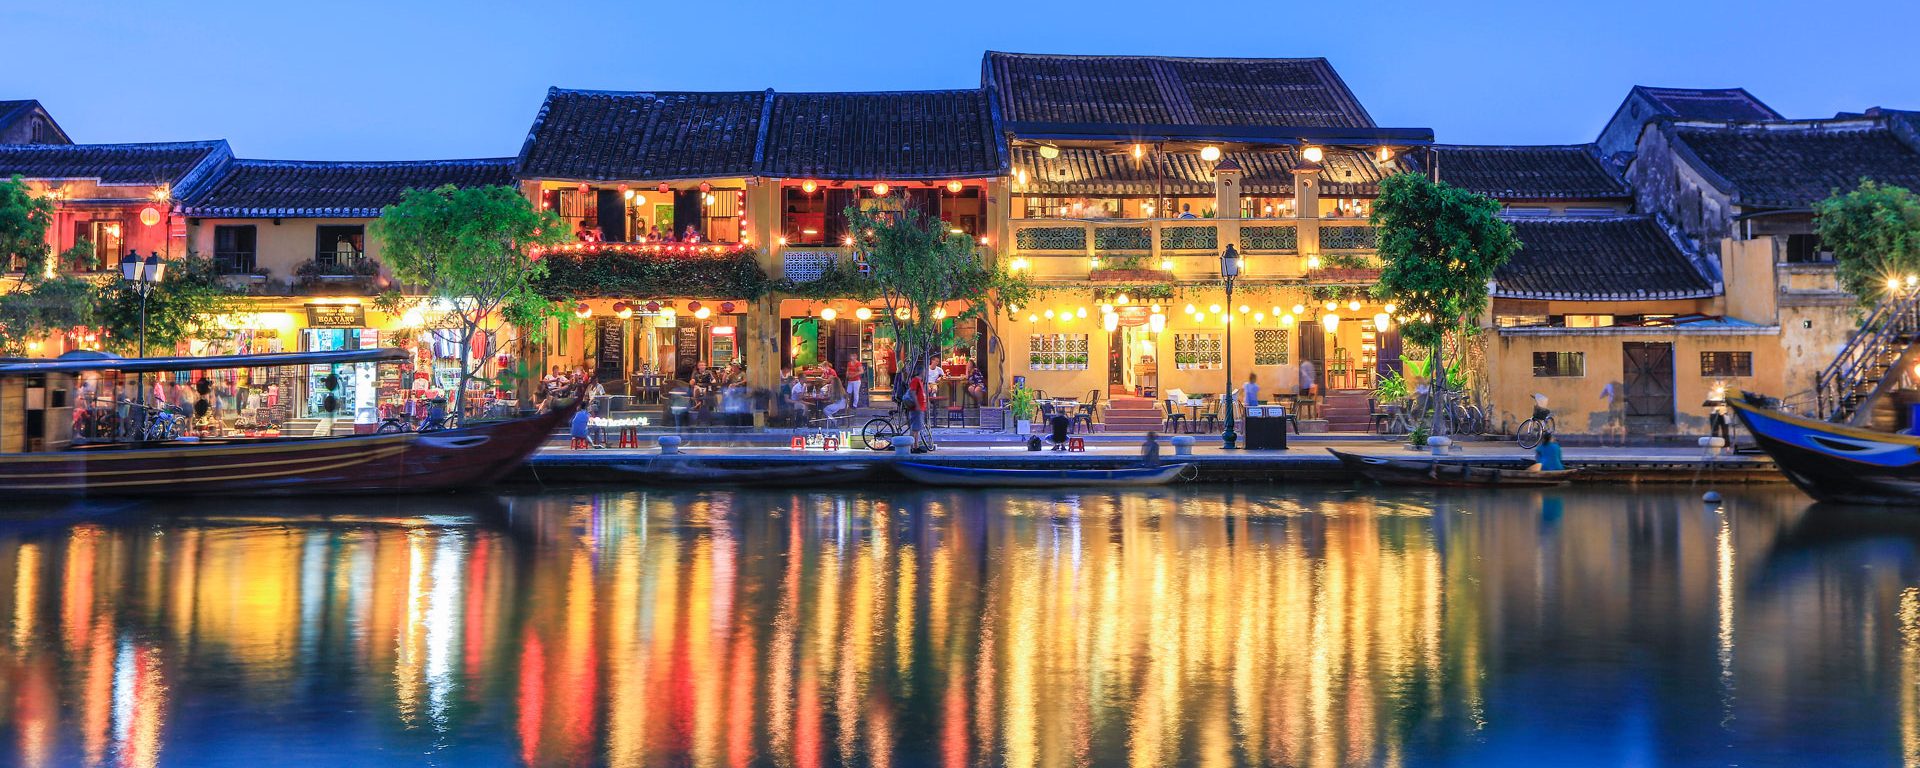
[
  {"x": 339, "y": 246},
  {"x": 1559, "y": 364},
  {"x": 1726, "y": 364},
  {"x": 1528, "y": 210},
  {"x": 233, "y": 249}
]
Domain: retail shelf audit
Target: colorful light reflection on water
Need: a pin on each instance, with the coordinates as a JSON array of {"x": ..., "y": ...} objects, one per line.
[{"x": 1184, "y": 626}]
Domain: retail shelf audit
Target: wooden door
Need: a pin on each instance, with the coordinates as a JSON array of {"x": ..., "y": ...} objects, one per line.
[
  {"x": 1313, "y": 348},
  {"x": 1648, "y": 375}
]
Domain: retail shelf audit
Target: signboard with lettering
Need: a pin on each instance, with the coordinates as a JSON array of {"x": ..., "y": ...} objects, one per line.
[
  {"x": 686, "y": 350},
  {"x": 612, "y": 358},
  {"x": 335, "y": 316}
]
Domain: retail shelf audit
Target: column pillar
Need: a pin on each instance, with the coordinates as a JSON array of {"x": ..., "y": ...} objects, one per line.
[
  {"x": 762, "y": 339},
  {"x": 1306, "y": 207}
]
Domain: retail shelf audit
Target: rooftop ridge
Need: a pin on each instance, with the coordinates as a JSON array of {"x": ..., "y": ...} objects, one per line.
[{"x": 268, "y": 163}]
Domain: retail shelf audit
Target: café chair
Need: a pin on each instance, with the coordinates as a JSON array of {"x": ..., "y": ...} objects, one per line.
[
  {"x": 1174, "y": 417},
  {"x": 1209, "y": 413}
]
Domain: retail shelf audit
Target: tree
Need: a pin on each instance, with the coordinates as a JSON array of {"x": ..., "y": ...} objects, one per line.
[
  {"x": 917, "y": 264},
  {"x": 178, "y": 309},
  {"x": 1438, "y": 246},
  {"x": 24, "y": 220},
  {"x": 1874, "y": 233},
  {"x": 471, "y": 251}
]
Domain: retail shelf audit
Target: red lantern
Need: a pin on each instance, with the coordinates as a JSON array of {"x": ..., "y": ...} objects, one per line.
[
  {"x": 584, "y": 188},
  {"x": 693, "y": 306},
  {"x": 653, "y": 306},
  {"x": 664, "y": 188},
  {"x": 705, "y": 187},
  {"x": 726, "y": 307}
]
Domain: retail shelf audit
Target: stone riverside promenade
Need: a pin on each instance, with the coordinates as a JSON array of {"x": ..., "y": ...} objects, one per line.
[{"x": 1305, "y": 459}]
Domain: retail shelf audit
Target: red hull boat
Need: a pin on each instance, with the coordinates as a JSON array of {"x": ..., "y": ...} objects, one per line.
[{"x": 407, "y": 462}]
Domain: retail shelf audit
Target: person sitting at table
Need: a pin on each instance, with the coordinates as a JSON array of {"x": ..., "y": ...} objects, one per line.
[{"x": 977, "y": 386}]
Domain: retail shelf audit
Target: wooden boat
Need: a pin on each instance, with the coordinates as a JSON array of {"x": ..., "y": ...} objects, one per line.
[
  {"x": 1832, "y": 462},
  {"x": 991, "y": 477},
  {"x": 1440, "y": 474},
  {"x": 693, "y": 470},
  {"x": 39, "y": 456}
]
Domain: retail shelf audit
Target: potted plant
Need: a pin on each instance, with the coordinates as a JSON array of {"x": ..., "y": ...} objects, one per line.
[{"x": 1021, "y": 406}]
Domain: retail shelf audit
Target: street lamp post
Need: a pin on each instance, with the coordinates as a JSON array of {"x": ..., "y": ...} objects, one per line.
[
  {"x": 144, "y": 276},
  {"x": 1229, "y": 269}
]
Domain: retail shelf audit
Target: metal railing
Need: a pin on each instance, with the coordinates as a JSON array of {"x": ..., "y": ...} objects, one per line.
[{"x": 1866, "y": 359}]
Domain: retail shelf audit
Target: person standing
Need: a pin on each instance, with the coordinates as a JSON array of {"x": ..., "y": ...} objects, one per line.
[
  {"x": 917, "y": 413},
  {"x": 1251, "y": 396},
  {"x": 1309, "y": 386},
  {"x": 856, "y": 382}
]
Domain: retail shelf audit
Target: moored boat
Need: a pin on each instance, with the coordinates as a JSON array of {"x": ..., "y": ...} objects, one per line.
[
  {"x": 1833, "y": 462},
  {"x": 1388, "y": 471},
  {"x": 995, "y": 477},
  {"x": 690, "y": 470},
  {"x": 40, "y": 456}
]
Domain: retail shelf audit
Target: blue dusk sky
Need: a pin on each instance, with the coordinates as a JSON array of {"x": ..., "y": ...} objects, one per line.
[{"x": 424, "y": 79}]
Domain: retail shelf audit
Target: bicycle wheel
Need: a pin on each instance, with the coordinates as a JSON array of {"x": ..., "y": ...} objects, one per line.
[
  {"x": 390, "y": 427},
  {"x": 878, "y": 433},
  {"x": 1528, "y": 436}
]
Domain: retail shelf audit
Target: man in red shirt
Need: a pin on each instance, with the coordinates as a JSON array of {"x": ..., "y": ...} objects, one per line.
[{"x": 917, "y": 414}]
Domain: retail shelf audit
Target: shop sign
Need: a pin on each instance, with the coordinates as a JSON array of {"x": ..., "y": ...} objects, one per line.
[
  {"x": 335, "y": 316},
  {"x": 1132, "y": 316}
]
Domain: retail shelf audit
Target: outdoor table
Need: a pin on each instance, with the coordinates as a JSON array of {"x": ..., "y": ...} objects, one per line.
[{"x": 1193, "y": 412}]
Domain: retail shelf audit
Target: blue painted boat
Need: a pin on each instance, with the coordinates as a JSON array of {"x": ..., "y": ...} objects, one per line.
[
  {"x": 994, "y": 477},
  {"x": 1836, "y": 463}
]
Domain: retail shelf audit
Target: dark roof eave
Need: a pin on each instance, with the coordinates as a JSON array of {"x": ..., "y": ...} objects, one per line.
[
  {"x": 1223, "y": 133},
  {"x": 1615, "y": 296}
]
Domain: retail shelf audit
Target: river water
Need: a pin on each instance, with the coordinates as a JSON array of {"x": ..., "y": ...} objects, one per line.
[{"x": 1196, "y": 626}]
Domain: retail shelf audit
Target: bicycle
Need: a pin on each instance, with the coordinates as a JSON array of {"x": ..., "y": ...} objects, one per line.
[
  {"x": 1535, "y": 428},
  {"x": 404, "y": 423},
  {"x": 880, "y": 431}
]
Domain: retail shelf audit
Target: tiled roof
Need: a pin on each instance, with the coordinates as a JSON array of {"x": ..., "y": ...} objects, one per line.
[
  {"x": 1708, "y": 103},
  {"x": 1094, "y": 172},
  {"x": 1583, "y": 258},
  {"x": 1570, "y": 172},
  {"x": 286, "y": 188},
  {"x": 177, "y": 164},
  {"x": 1161, "y": 90},
  {"x": 631, "y": 136},
  {"x": 899, "y": 135},
  {"x": 1793, "y": 165},
  {"x": 12, "y": 111}
]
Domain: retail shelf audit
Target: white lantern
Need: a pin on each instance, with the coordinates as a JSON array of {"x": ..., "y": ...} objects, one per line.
[
  {"x": 1110, "y": 321},
  {"x": 1380, "y": 321},
  {"x": 829, "y": 314},
  {"x": 1331, "y": 321},
  {"x": 1156, "y": 323}
]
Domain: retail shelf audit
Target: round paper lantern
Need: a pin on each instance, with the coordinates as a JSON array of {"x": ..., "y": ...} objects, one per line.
[
  {"x": 582, "y": 311},
  {"x": 808, "y": 186},
  {"x": 705, "y": 187},
  {"x": 829, "y": 314},
  {"x": 693, "y": 305},
  {"x": 665, "y": 188},
  {"x": 881, "y": 189},
  {"x": 863, "y": 314},
  {"x": 954, "y": 186},
  {"x": 653, "y": 306},
  {"x": 726, "y": 307},
  {"x": 149, "y": 215}
]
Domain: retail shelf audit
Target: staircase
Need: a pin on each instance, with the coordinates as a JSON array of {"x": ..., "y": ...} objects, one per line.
[
  {"x": 311, "y": 427},
  {"x": 1347, "y": 410},
  {"x": 1125, "y": 413},
  {"x": 1871, "y": 362}
]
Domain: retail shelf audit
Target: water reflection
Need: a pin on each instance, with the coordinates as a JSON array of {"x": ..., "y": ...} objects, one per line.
[{"x": 1208, "y": 627}]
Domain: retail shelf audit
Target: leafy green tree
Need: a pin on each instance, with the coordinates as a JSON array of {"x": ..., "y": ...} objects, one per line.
[
  {"x": 917, "y": 264},
  {"x": 471, "y": 251},
  {"x": 178, "y": 309},
  {"x": 1438, "y": 246},
  {"x": 1874, "y": 233},
  {"x": 24, "y": 220}
]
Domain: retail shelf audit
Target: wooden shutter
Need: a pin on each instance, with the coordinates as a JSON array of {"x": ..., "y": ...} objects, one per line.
[
  {"x": 838, "y": 201},
  {"x": 613, "y": 216}
]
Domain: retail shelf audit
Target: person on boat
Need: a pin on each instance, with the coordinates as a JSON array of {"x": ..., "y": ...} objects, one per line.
[
  {"x": 1150, "y": 450},
  {"x": 1546, "y": 455}
]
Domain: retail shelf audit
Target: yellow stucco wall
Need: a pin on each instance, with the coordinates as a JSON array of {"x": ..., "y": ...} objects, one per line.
[
  {"x": 280, "y": 247},
  {"x": 1577, "y": 401}
]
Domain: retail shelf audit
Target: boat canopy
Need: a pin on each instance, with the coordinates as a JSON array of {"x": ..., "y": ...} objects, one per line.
[{"x": 79, "y": 362}]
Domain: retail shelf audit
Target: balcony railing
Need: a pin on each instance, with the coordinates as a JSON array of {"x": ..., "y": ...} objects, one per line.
[
  {"x": 1347, "y": 235},
  {"x": 1171, "y": 237},
  {"x": 805, "y": 264},
  {"x": 233, "y": 262}
]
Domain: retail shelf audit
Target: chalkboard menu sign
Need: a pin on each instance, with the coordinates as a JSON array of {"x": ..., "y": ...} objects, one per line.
[
  {"x": 613, "y": 348},
  {"x": 686, "y": 350}
]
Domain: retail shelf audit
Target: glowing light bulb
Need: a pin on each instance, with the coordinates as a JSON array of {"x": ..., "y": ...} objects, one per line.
[
  {"x": 1213, "y": 309},
  {"x": 1313, "y": 154},
  {"x": 863, "y": 314},
  {"x": 1353, "y": 305},
  {"x": 829, "y": 314},
  {"x": 1286, "y": 321},
  {"x": 1299, "y": 309},
  {"x": 1210, "y": 153}
]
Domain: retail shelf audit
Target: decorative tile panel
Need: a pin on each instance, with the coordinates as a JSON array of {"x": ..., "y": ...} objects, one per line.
[
  {"x": 1057, "y": 352},
  {"x": 1123, "y": 239},
  {"x": 1269, "y": 346},
  {"x": 1347, "y": 238},
  {"x": 1204, "y": 238},
  {"x": 806, "y": 266},
  {"x": 1196, "y": 351},
  {"x": 1051, "y": 239},
  {"x": 1285, "y": 238}
]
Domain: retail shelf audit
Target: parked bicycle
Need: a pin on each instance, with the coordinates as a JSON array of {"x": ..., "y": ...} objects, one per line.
[
  {"x": 437, "y": 418},
  {"x": 1539, "y": 425},
  {"x": 881, "y": 430}
]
